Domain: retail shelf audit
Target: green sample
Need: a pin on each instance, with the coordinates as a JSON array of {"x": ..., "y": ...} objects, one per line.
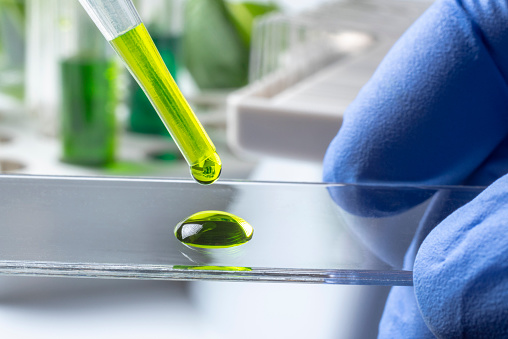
[
  {"x": 143, "y": 118},
  {"x": 213, "y": 268},
  {"x": 138, "y": 51},
  {"x": 213, "y": 229},
  {"x": 88, "y": 111}
]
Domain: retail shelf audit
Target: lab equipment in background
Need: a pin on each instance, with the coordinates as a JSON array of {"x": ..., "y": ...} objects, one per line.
[
  {"x": 121, "y": 25},
  {"x": 89, "y": 92},
  {"x": 305, "y": 70},
  {"x": 12, "y": 54},
  {"x": 42, "y": 63},
  {"x": 70, "y": 83},
  {"x": 164, "y": 21},
  {"x": 53, "y": 34}
]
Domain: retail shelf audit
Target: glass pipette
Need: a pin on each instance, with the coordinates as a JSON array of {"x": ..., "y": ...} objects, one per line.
[{"x": 121, "y": 25}]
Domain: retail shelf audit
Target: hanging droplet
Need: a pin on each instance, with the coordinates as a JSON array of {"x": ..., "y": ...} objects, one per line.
[{"x": 207, "y": 171}]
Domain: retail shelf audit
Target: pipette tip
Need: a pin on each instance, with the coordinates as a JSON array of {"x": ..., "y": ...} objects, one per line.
[{"x": 207, "y": 171}]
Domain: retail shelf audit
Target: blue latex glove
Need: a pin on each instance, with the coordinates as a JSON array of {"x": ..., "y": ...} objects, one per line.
[{"x": 436, "y": 112}]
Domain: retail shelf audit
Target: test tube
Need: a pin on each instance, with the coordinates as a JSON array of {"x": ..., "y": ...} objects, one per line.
[
  {"x": 121, "y": 25},
  {"x": 87, "y": 117}
]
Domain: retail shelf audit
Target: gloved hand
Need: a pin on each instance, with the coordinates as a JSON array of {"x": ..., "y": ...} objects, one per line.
[{"x": 436, "y": 113}]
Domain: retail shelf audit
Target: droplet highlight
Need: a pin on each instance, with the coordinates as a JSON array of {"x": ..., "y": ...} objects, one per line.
[{"x": 213, "y": 229}]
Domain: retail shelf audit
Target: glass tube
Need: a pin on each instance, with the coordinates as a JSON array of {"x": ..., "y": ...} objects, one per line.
[
  {"x": 88, "y": 93},
  {"x": 122, "y": 27}
]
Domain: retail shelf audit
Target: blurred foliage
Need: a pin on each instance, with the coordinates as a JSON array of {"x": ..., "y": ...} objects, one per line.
[
  {"x": 243, "y": 14},
  {"x": 19, "y": 5},
  {"x": 12, "y": 27},
  {"x": 12, "y": 47},
  {"x": 216, "y": 42}
]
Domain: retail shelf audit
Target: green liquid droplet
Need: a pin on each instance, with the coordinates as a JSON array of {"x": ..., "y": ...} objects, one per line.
[
  {"x": 213, "y": 268},
  {"x": 206, "y": 172},
  {"x": 213, "y": 229}
]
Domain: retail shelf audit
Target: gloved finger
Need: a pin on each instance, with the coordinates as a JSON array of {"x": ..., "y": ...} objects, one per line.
[
  {"x": 461, "y": 269},
  {"x": 378, "y": 201},
  {"x": 436, "y": 107},
  {"x": 388, "y": 236},
  {"x": 401, "y": 317}
]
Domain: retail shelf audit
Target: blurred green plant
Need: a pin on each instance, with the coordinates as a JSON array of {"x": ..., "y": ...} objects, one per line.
[
  {"x": 216, "y": 42},
  {"x": 243, "y": 14},
  {"x": 12, "y": 30},
  {"x": 12, "y": 47}
]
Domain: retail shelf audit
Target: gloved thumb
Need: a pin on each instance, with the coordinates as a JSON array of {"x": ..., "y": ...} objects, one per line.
[{"x": 461, "y": 269}]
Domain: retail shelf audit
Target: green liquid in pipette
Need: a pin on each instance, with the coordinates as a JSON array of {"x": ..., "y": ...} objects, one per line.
[
  {"x": 139, "y": 53},
  {"x": 213, "y": 229},
  {"x": 143, "y": 118}
]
